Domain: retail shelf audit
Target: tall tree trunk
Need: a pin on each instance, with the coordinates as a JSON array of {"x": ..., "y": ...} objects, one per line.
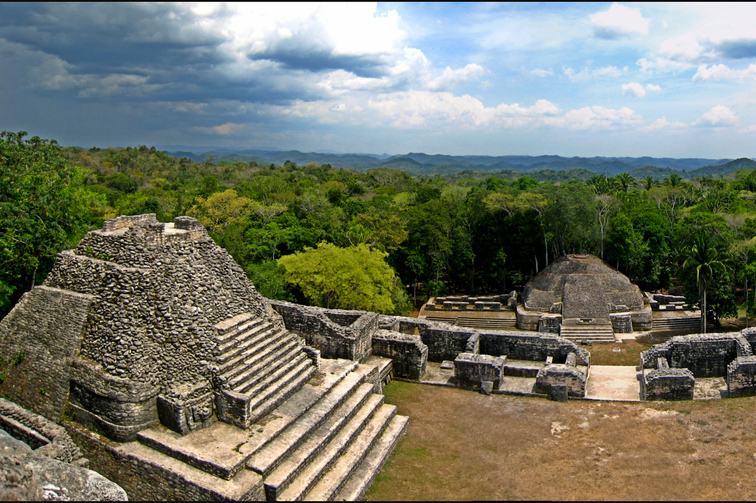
[{"x": 703, "y": 309}]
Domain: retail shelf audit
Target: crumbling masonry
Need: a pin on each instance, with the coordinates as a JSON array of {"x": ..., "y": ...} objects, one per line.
[{"x": 147, "y": 334}]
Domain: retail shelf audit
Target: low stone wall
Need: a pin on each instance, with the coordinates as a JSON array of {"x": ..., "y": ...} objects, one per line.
[
  {"x": 317, "y": 326},
  {"x": 472, "y": 369},
  {"x": 561, "y": 374},
  {"x": 531, "y": 346},
  {"x": 44, "y": 436},
  {"x": 409, "y": 354},
  {"x": 667, "y": 384},
  {"x": 741, "y": 376},
  {"x": 705, "y": 355}
]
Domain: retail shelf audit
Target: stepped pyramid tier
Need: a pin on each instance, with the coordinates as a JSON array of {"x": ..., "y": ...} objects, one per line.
[
  {"x": 151, "y": 335},
  {"x": 582, "y": 298}
]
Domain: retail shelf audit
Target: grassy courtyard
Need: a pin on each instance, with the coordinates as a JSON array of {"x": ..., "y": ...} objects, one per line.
[{"x": 463, "y": 445}]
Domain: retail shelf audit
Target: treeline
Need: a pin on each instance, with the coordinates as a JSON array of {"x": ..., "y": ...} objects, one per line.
[{"x": 438, "y": 235}]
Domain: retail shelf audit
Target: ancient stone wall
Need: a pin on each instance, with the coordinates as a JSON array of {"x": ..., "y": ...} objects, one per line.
[
  {"x": 741, "y": 376},
  {"x": 42, "y": 435},
  {"x": 408, "y": 352},
  {"x": 536, "y": 347},
  {"x": 38, "y": 341},
  {"x": 336, "y": 333},
  {"x": 667, "y": 384},
  {"x": 561, "y": 374},
  {"x": 705, "y": 355},
  {"x": 472, "y": 369}
]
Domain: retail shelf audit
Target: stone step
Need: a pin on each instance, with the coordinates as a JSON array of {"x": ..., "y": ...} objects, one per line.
[
  {"x": 264, "y": 460},
  {"x": 285, "y": 373},
  {"x": 486, "y": 322},
  {"x": 260, "y": 339},
  {"x": 222, "y": 449},
  {"x": 282, "y": 391},
  {"x": 269, "y": 343},
  {"x": 230, "y": 324},
  {"x": 250, "y": 370},
  {"x": 248, "y": 331},
  {"x": 340, "y": 472},
  {"x": 360, "y": 481},
  {"x": 360, "y": 405}
]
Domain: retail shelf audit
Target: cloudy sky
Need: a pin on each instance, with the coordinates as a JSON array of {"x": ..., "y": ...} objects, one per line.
[{"x": 584, "y": 79}]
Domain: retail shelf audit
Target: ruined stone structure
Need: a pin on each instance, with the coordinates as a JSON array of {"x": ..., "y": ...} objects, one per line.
[
  {"x": 491, "y": 312},
  {"x": 583, "y": 299},
  {"x": 148, "y": 333},
  {"x": 670, "y": 370},
  {"x": 479, "y": 357},
  {"x": 38, "y": 460}
]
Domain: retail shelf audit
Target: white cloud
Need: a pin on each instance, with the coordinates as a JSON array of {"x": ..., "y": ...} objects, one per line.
[
  {"x": 598, "y": 117},
  {"x": 592, "y": 73},
  {"x": 637, "y": 90},
  {"x": 633, "y": 89},
  {"x": 662, "y": 65},
  {"x": 539, "y": 72},
  {"x": 749, "y": 129},
  {"x": 450, "y": 78},
  {"x": 722, "y": 72},
  {"x": 618, "y": 22},
  {"x": 445, "y": 111},
  {"x": 663, "y": 123},
  {"x": 717, "y": 116}
]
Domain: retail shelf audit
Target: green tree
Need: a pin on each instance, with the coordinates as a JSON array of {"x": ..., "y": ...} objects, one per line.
[
  {"x": 703, "y": 260},
  {"x": 43, "y": 209},
  {"x": 345, "y": 278},
  {"x": 624, "y": 182}
]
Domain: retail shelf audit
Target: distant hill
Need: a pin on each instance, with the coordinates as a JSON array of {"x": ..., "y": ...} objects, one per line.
[
  {"x": 433, "y": 164},
  {"x": 725, "y": 169},
  {"x": 653, "y": 171}
]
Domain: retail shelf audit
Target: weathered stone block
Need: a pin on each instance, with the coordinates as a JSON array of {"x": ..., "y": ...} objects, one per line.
[
  {"x": 668, "y": 384},
  {"x": 408, "y": 353},
  {"x": 486, "y": 387},
  {"x": 558, "y": 392},
  {"x": 741, "y": 376},
  {"x": 560, "y": 374},
  {"x": 471, "y": 369}
]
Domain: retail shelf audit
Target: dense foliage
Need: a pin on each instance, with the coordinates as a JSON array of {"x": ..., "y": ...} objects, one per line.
[{"x": 437, "y": 234}]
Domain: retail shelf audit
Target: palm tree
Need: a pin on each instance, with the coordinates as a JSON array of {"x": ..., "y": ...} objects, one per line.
[
  {"x": 649, "y": 183},
  {"x": 673, "y": 180},
  {"x": 704, "y": 258},
  {"x": 624, "y": 181}
]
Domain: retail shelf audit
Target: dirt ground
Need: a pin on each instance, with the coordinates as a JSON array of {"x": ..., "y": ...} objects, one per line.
[{"x": 463, "y": 445}]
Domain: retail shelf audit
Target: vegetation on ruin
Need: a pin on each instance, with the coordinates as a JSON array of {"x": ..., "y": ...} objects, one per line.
[{"x": 462, "y": 233}]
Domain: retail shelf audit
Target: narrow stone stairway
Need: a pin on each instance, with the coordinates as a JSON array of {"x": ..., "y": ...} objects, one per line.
[
  {"x": 587, "y": 333},
  {"x": 259, "y": 366}
]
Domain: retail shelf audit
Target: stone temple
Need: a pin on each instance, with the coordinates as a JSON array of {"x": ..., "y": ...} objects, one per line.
[
  {"x": 581, "y": 298},
  {"x": 187, "y": 382}
]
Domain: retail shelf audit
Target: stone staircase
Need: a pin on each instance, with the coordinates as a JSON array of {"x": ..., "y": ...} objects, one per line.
[
  {"x": 259, "y": 367},
  {"x": 674, "y": 324},
  {"x": 587, "y": 333},
  {"x": 327, "y": 441},
  {"x": 474, "y": 322}
]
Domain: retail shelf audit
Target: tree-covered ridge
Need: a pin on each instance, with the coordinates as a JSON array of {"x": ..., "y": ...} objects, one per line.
[
  {"x": 463, "y": 233},
  {"x": 424, "y": 164}
]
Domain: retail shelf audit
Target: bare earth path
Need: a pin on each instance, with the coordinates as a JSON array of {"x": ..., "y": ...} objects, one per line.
[{"x": 463, "y": 445}]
